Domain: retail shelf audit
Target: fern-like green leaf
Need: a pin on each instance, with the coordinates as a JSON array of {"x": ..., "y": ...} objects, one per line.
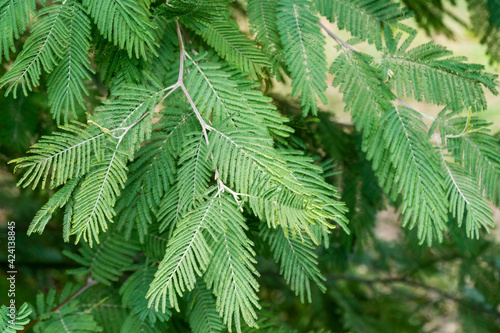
[
  {"x": 427, "y": 73},
  {"x": 66, "y": 87},
  {"x": 165, "y": 64},
  {"x": 169, "y": 211},
  {"x": 123, "y": 119},
  {"x": 466, "y": 201},
  {"x": 195, "y": 173},
  {"x": 153, "y": 172},
  {"x": 304, "y": 51},
  {"x": 61, "y": 156},
  {"x": 96, "y": 196},
  {"x": 48, "y": 301},
  {"x": 204, "y": 10},
  {"x": 107, "y": 261},
  {"x": 13, "y": 325},
  {"x": 115, "y": 67},
  {"x": 188, "y": 253},
  {"x": 128, "y": 114},
  {"x": 418, "y": 172},
  {"x": 254, "y": 155},
  {"x": 124, "y": 22},
  {"x": 134, "y": 324},
  {"x": 249, "y": 165},
  {"x": 155, "y": 242},
  {"x": 368, "y": 20},
  {"x": 213, "y": 91},
  {"x": 43, "y": 49},
  {"x": 476, "y": 149},
  {"x": 67, "y": 318},
  {"x": 14, "y": 17},
  {"x": 221, "y": 91},
  {"x": 324, "y": 202},
  {"x": 58, "y": 200},
  {"x": 263, "y": 24},
  {"x": 232, "y": 45},
  {"x": 203, "y": 317},
  {"x": 404, "y": 139},
  {"x": 368, "y": 98},
  {"x": 231, "y": 273},
  {"x": 365, "y": 94},
  {"x": 105, "y": 304},
  {"x": 298, "y": 265},
  {"x": 133, "y": 293}
]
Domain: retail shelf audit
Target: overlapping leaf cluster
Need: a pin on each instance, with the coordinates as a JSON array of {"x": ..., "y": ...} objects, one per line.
[
  {"x": 165, "y": 180},
  {"x": 407, "y": 156}
]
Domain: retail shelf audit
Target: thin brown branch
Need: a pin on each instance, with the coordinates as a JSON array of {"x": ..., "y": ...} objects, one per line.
[
  {"x": 90, "y": 282},
  {"x": 334, "y": 36}
]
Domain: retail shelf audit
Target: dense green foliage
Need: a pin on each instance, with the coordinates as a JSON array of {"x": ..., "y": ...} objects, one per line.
[{"x": 187, "y": 182}]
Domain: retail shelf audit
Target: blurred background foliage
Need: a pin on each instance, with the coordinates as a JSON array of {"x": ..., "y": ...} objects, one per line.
[{"x": 378, "y": 278}]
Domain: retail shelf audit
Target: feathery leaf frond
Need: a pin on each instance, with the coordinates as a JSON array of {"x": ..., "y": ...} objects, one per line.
[
  {"x": 304, "y": 47},
  {"x": 254, "y": 154},
  {"x": 476, "y": 149},
  {"x": 232, "y": 45},
  {"x": 134, "y": 324},
  {"x": 466, "y": 201},
  {"x": 43, "y": 49},
  {"x": 203, "y": 316},
  {"x": 134, "y": 291},
  {"x": 124, "y": 22},
  {"x": 324, "y": 201},
  {"x": 8, "y": 325},
  {"x": 204, "y": 10},
  {"x": 298, "y": 262},
  {"x": 115, "y": 67},
  {"x": 104, "y": 303},
  {"x": 263, "y": 24},
  {"x": 107, "y": 261},
  {"x": 231, "y": 273},
  {"x": 418, "y": 172},
  {"x": 14, "y": 17},
  {"x": 58, "y": 200},
  {"x": 66, "y": 87},
  {"x": 95, "y": 198},
  {"x": 169, "y": 210},
  {"x": 188, "y": 253},
  {"x": 153, "y": 172},
  {"x": 369, "y": 20},
  {"x": 427, "y": 73},
  {"x": 195, "y": 173},
  {"x": 155, "y": 242},
  {"x": 365, "y": 94},
  {"x": 274, "y": 193},
  {"x": 221, "y": 91},
  {"x": 128, "y": 114},
  {"x": 61, "y": 156},
  {"x": 67, "y": 318}
]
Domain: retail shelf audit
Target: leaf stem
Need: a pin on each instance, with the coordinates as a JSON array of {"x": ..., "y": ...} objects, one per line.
[
  {"x": 204, "y": 126},
  {"x": 340, "y": 41}
]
